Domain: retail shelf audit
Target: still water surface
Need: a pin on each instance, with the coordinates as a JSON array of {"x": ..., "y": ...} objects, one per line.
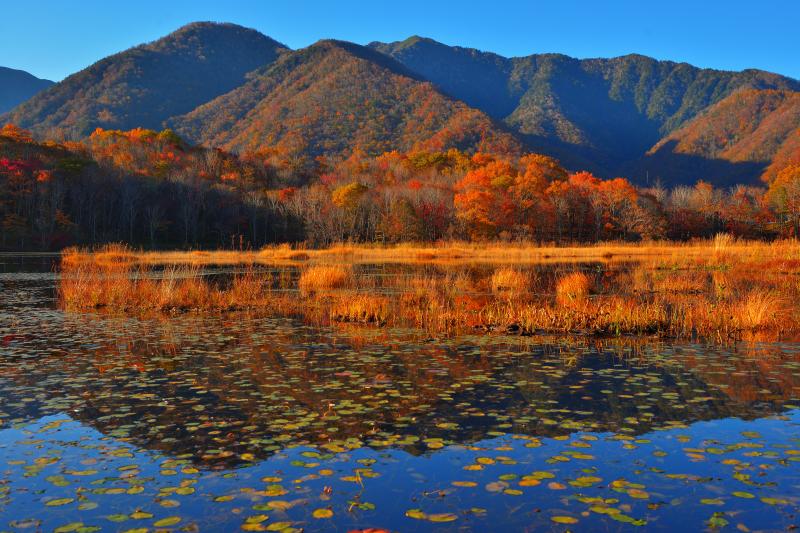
[{"x": 239, "y": 421}]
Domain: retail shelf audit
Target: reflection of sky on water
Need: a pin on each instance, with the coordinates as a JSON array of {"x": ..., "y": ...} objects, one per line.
[{"x": 404, "y": 481}]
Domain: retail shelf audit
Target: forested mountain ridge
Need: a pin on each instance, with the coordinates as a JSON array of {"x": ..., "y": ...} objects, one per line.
[
  {"x": 230, "y": 87},
  {"x": 334, "y": 97},
  {"x": 145, "y": 85},
  {"x": 610, "y": 111},
  {"x": 16, "y": 86}
]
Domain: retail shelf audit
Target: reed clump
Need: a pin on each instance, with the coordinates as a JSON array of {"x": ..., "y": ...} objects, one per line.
[
  {"x": 362, "y": 309},
  {"x": 325, "y": 278},
  {"x": 758, "y": 310},
  {"x": 97, "y": 285},
  {"x": 573, "y": 286},
  {"x": 178, "y": 287},
  {"x": 722, "y": 245},
  {"x": 507, "y": 280}
]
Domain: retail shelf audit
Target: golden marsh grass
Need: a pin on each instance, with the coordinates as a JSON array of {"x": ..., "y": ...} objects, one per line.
[
  {"x": 721, "y": 290},
  {"x": 512, "y": 254}
]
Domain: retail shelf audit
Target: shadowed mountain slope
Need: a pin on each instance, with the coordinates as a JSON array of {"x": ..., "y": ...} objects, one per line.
[
  {"x": 754, "y": 131},
  {"x": 16, "y": 86}
]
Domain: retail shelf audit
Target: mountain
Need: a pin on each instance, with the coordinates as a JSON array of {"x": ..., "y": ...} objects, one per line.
[
  {"x": 232, "y": 87},
  {"x": 333, "y": 97},
  {"x": 145, "y": 85},
  {"x": 750, "y": 133},
  {"x": 610, "y": 111},
  {"x": 16, "y": 86}
]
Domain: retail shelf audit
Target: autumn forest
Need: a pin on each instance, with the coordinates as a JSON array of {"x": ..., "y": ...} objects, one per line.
[{"x": 153, "y": 189}]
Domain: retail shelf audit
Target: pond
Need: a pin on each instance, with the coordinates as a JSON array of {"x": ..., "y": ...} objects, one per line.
[{"x": 244, "y": 421}]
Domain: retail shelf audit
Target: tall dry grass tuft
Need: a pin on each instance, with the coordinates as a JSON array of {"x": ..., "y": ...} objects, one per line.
[
  {"x": 93, "y": 285},
  {"x": 722, "y": 242},
  {"x": 322, "y": 278},
  {"x": 181, "y": 287},
  {"x": 282, "y": 252},
  {"x": 759, "y": 309},
  {"x": 722, "y": 246},
  {"x": 574, "y": 286},
  {"x": 361, "y": 308},
  {"x": 248, "y": 288},
  {"x": 509, "y": 280}
]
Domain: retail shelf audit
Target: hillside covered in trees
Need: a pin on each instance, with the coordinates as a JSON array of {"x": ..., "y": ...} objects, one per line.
[
  {"x": 748, "y": 129},
  {"x": 334, "y": 98},
  {"x": 229, "y": 87},
  {"x": 594, "y": 113}
]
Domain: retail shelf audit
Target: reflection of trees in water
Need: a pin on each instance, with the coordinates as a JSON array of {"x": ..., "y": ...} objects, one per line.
[{"x": 241, "y": 383}]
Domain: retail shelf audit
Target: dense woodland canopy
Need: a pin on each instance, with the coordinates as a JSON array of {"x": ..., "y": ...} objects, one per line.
[{"x": 153, "y": 189}]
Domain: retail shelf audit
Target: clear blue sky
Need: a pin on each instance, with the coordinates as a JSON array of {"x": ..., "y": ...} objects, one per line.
[{"x": 52, "y": 39}]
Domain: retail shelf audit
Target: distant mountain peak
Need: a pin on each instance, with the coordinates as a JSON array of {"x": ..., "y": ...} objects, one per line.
[
  {"x": 419, "y": 39},
  {"x": 21, "y": 73},
  {"x": 145, "y": 85}
]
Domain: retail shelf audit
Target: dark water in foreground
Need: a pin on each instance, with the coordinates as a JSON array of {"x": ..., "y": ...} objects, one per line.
[{"x": 244, "y": 422}]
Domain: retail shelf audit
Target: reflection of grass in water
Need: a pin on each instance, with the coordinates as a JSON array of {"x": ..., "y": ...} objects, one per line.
[{"x": 683, "y": 296}]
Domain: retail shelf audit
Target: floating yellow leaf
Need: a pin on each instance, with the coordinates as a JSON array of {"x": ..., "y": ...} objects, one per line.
[
  {"x": 169, "y": 521},
  {"x": 638, "y": 494},
  {"x": 441, "y": 517},
  {"x": 59, "y": 501}
]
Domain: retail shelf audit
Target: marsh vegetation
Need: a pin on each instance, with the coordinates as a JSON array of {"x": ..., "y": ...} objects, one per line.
[{"x": 720, "y": 290}]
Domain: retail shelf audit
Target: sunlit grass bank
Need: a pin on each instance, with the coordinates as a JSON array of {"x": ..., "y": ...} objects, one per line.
[
  {"x": 719, "y": 248},
  {"x": 718, "y": 290}
]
